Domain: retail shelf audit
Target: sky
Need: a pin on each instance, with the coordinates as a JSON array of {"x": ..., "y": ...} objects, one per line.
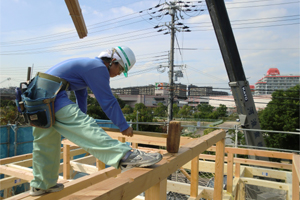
[{"x": 40, "y": 34}]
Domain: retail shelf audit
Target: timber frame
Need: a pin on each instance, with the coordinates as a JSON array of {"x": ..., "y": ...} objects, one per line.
[{"x": 110, "y": 183}]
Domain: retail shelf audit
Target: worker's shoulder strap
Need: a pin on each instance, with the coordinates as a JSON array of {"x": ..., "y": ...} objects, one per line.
[{"x": 54, "y": 78}]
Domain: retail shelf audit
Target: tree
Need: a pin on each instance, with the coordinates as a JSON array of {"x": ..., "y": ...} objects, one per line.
[
  {"x": 205, "y": 111},
  {"x": 185, "y": 111},
  {"x": 160, "y": 110},
  {"x": 205, "y": 108},
  {"x": 94, "y": 109},
  {"x": 145, "y": 115},
  {"x": 120, "y": 101},
  {"x": 175, "y": 109},
  {"x": 282, "y": 114},
  {"x": 222, "y": 111},
  {"x": 127, "y": 109}
]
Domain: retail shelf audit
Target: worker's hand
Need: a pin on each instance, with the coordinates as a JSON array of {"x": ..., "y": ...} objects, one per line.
[{"x": 128, "y": 132}]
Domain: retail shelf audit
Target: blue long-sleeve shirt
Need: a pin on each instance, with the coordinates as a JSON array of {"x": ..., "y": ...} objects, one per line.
[{"x": 87, "y": 72}]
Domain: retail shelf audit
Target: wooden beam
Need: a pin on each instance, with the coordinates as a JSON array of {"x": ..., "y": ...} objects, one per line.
[
  {"x": 263, "y": 163},
  {"x": 241, "y": 191},
  {"x": 76, "y": 15},
  {"x": 157, "y": 192},
  {"x": 296, "y": 164},
  {"x": 184, "y": 188},
  {"x": 131, "y": 183},
  {"x": 134, "y": 145},
  {"x": 237, "y": 170},
  {"x": 265, "y": 183},
  {"x": 9, "y": 182},
  {"x": 122, "y": 139},
  {"x": 80, "y": 167},
  {"x": 135, "y": 133},
  {"x": 79, "y": 184},
  {"x": 4, "y": 161},
  {"x": 89, "y": 160},
  {"x": 235, "y": 184},
  {"x": 23, "y": 158},
  {"x": 251, "y": 162},
  {"x": 255, "y": 152},
  {"x": 194, "y": 177},
  {"x": 229, "y": 172},
  {"x": 28, "y": 176},
  {"x": 219, "y": 174},
  {"x": 185, "y": 173},
  {"x": 296, "y": 176},
  {"x": 100, "y": 165},
  {"x": 66, "y": 162}
]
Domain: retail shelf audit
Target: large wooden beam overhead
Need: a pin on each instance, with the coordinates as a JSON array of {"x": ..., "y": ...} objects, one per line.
[{"x": 75, "y": 12}]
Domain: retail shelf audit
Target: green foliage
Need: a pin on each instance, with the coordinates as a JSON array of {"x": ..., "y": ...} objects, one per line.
[
  {"x": 282, "y": 114},
  {"x": 205, "y": 111},
  {"x": 175, "y": 110},
  {"x": 191, "y": 135},
  {"x": 5, "y": 103},
  {"x": 205, "y": 108},
  {"x": 144, "y": 115},
  {"x": 240, "y": 137},
  {"x": 94, "y": 110},
  {"x": 127, "y": 109},
  {"x": 208, "y": 130},
  {"x": 221, "y": 111},
  {"x": 72, "y": 96},
  {"x": 120, "y": 101},
  {"x": 8, "y": 112},
  {"x": 185, "y": 111},
  {"x": 160, "y": 110}
]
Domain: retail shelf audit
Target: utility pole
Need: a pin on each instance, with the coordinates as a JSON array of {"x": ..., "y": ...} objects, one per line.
[
  {"x": 171, "y": 67},
  {"x": 171, "y": 8}
]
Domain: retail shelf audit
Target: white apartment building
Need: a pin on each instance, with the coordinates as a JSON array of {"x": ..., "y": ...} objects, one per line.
[{"x": 274, "y": 81}]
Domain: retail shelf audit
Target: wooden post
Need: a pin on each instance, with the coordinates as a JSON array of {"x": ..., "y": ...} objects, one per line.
[
  {"x": 242, "y": 191},
  {"x": 100, "y": 165},
  {"x": 295, "y": 175},
  {"x": 7, "y": 191},
  {"x": 194, "y": 177},
  {"x": 229, "y": 172},
  {"x": 173, "y": 140},
  {"x": 157, "y": 192},
  {"x": 237, "y": 169},
  {"x": 66, "y": 162},
  {"x": 219, "y": 169},
  {"x": 122, "y": 139},
  {"x": 134, "y": 145}
]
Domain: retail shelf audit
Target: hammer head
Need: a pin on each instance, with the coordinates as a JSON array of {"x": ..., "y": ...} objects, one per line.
[{"x": 173, "y": 139}]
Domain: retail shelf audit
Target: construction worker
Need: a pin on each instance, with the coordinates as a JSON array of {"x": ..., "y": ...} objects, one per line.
[{"x": 73, "y": 123}]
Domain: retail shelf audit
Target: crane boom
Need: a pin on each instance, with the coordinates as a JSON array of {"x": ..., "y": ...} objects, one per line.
[{"x": 239, "y": 85}]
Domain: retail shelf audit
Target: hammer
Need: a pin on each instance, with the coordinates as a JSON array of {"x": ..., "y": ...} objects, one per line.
[{"x": 173, "y": 136}]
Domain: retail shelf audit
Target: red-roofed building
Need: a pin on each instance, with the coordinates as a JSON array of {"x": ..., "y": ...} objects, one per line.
[{"x": 274, "y": 81}]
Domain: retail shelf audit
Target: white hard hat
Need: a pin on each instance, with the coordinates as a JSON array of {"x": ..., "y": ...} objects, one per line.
[{"x": 127, "y": 58}]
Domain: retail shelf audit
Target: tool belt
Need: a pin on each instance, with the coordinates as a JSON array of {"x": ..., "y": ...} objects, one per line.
[{"x": 37, "y": 101}]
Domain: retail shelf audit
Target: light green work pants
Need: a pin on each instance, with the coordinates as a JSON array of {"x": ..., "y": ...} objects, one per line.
[{"x": 82, "y": 130}]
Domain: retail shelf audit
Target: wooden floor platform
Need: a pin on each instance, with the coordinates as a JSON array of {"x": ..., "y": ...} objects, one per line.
[{"x": 110, "y": 183}]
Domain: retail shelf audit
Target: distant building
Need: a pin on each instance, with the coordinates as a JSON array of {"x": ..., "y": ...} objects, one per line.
[
  {"x": 159, "y": 89},
  {"x": 274, "y": 81},
  {"x": 194, "y": 90}
]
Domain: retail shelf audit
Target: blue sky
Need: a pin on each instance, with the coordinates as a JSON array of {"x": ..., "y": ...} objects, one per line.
[{"x": 41, "y": 34}]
